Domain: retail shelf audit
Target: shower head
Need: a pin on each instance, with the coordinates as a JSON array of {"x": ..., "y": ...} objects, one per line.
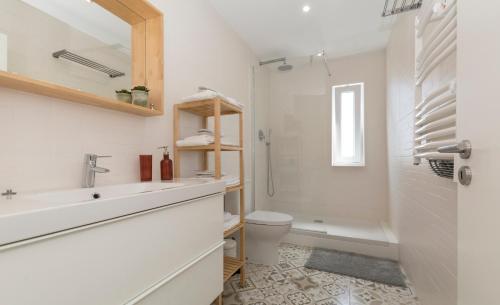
[{"x": 283, "y": 67}]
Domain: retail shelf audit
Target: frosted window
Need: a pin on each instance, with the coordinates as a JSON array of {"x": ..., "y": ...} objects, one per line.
[{"x": 348, "y": 125}]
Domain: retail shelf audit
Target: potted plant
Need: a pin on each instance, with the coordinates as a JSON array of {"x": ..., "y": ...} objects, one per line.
[
  {"x": 140, "y": 96},
  {"x": 124, "y": 95}
]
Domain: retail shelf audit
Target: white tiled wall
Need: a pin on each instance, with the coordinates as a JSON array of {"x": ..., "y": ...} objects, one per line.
[
  {"x": 423, "y": 207},
  {"x": 44, "y": 140}
]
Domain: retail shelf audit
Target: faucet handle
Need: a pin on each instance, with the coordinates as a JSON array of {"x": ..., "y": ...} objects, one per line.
[{"x": 94, "y": 157}]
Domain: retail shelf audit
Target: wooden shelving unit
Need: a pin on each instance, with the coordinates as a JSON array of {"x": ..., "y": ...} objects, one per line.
[
  {"x": 231, "y": 265},
  {"x": 216, "y": 108}
]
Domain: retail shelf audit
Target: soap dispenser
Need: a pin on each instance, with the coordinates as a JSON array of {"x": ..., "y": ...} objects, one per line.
[{"x": 166, "y": 165}]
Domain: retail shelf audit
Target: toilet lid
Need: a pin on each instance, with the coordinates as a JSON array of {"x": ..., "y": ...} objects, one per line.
[{"x": 269, "y": 218}]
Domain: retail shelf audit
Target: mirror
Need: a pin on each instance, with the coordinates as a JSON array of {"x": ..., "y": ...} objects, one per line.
[
  {"x": 84, "y": 50},
  {"x": 77, "y": 44}
]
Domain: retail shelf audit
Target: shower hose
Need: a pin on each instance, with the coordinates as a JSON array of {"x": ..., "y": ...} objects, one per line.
[{"x": 270, "y": 180}]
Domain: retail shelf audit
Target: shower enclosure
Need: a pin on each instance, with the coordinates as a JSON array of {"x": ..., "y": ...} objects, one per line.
[
  {"x": 292, "y": 166},
  {"x": 291, "y": 133}
]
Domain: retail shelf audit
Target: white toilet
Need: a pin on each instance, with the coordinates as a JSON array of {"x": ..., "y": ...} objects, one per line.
[{"x": 265, "y": 229}]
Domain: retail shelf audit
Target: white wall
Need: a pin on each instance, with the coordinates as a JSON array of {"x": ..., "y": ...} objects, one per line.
[
  {"x": 423, "y": 207},
  {"x": 3, "y": 52},
  {"x": 43, "y": 139},
  {"x": 299, "y": 113}
]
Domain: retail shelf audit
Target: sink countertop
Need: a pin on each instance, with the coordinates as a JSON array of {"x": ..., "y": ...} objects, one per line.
[{"x": 30, "y": 215}]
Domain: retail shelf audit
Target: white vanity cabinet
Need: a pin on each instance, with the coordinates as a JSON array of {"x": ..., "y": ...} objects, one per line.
[{"x": 166, "y": 255}]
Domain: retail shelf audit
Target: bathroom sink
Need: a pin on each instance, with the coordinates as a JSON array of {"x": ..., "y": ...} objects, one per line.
[
  {"x": 105, "y": 192},
  {"x": 36, "y": 214}
]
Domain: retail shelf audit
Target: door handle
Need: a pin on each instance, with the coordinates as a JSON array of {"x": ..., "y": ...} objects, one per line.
[
  {"x": 464, "y": 149},
  {"x": 465, "y": 175}
]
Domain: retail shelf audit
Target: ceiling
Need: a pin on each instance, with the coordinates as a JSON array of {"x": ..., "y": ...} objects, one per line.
[{"x": 275, "y": 28}]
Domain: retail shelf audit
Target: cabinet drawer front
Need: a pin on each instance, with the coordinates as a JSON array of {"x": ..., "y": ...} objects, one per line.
[
  {"x": 197, "y": 285},
  {"x": 111, "y": 262}
]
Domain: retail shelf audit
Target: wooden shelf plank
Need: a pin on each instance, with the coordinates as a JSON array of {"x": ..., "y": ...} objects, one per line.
[
  {"x": 234, "y": 188},
  {"x": 206, "y": 107},
  {"x": 233, "y": 229},
  {"x": 24, "y": 83},
  {"x": 231, "y": 265},
  {"x": 210, "y": 147}
]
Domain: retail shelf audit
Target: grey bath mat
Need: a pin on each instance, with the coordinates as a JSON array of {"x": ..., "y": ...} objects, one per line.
[{"x": 358, "y": 266}]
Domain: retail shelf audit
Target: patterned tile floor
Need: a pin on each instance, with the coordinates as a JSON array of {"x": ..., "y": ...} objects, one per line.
[{"x": 289, "y": 283}]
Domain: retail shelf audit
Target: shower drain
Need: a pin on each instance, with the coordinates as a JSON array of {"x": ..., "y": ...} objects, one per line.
[{"x": 318, "y": 221}]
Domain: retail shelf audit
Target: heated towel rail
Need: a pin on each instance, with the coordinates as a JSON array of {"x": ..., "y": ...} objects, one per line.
[
  {"x": 393, "y": 7},
  {"x": 435, "y": 110}
]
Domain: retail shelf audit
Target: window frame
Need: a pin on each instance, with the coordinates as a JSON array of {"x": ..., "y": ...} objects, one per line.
[{"x": 359, "y": 138}]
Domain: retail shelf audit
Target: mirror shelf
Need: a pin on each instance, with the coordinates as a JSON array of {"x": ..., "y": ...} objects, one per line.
[{"x": 27, "y": 84}]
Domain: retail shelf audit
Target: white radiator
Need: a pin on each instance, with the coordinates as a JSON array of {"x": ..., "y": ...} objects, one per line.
[{"x": 435, "y": 110}]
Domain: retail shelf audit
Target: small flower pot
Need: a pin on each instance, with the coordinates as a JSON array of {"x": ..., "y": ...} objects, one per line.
[
  {"x": 124, "y": 97},
  {"x": 140, "y": 98}
]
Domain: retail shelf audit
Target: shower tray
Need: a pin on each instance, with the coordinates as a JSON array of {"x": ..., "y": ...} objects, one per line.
[{"x": 359, "y": 236}]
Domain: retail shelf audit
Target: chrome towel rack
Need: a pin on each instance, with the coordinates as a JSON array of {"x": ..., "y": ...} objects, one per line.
[
  {"x": 393, "y": 7},
  {"x": 87, "y": 63}
]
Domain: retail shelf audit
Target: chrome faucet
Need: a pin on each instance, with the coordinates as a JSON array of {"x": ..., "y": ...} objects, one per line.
[
  {"x": 90, "y": 168},
  {"x": 8, "y": 194}
]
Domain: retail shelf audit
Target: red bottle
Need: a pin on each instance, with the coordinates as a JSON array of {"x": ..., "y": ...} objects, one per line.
[
  {"x": 166, "y": 165},
  {"x": 146, "y": 165}
]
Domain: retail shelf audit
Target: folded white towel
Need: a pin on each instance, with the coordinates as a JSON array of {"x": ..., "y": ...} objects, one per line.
[
  {"x": 208, "y": 132},
  {"x": 235, "y": 219},
  {"x": 227, "y": 216},
  {"x": 228, "y": 179},
  {"x": 233, "y": 101},
  {"x": 202, "y": 95},
  {"x": 207, "y": 173},
  {"x": 210, "y": 94},
  {"x": 197, "y": 140},
  {"x": 231, "y": 180},
  {"x": 200, "y": 140}
]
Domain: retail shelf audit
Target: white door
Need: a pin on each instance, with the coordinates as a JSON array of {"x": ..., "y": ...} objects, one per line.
[{"x": 478, "y": 109}]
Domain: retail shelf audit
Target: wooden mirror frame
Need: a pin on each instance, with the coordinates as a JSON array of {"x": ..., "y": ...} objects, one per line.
[{"x": 147, "y": 62}]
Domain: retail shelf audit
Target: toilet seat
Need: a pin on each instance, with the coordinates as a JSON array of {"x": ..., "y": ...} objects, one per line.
[{"x": 268, "y": 218}]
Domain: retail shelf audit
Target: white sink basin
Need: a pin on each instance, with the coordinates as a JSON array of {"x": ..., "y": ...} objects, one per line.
[
  {"x": 105, "y": 192},
  {"x": 37, "y": 214}
]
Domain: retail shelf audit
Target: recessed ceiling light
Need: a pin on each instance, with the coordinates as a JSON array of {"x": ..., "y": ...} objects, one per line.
[{"x": 306, "y": 8}]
